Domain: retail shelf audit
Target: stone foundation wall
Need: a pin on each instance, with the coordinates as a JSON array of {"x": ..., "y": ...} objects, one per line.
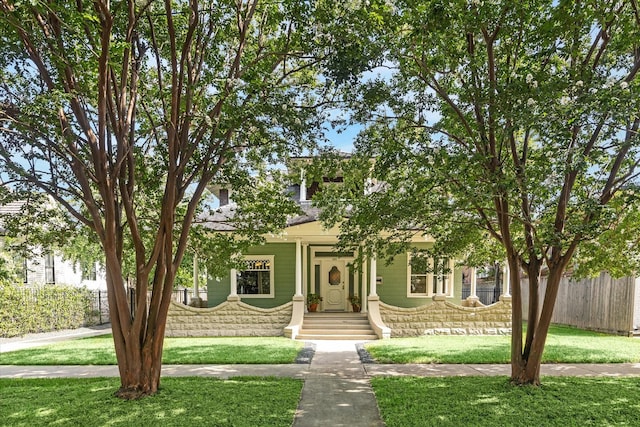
[
  {"x": 229, "y": 319},
  {"x": 445, "y": 318}
]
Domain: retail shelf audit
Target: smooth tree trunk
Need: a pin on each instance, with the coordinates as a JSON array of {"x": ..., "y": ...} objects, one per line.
[
  {"x": 526, "y": 358},
  {"x": 139, "y": 339}
]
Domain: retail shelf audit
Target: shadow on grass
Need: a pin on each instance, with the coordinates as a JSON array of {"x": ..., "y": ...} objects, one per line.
[
  {"x": 180, "y": 402},
  {"x": 564, "y": 345},
  {"x": 493, "y": 401},
  {"x": 100, "y": 351}
]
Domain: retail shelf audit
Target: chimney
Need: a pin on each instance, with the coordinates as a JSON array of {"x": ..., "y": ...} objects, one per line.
[{"x": 224, "y": 196}]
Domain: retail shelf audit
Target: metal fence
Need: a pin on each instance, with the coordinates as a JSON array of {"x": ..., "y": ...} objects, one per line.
[
  {"x": 100, "y": 303},
  {"x": 487, "y": 296},
  {"x": 99, "y": 309}
]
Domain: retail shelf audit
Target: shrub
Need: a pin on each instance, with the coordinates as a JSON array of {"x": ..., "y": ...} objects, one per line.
[{"x": 26, "y": 310}]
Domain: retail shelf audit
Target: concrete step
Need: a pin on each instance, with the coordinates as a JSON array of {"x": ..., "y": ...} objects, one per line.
[
  {"x": 336, "y": 326},
  {"x": 337, "y": 322},
  {"x": 305, "y": 336},
  {"x": 360, "y": 327}
]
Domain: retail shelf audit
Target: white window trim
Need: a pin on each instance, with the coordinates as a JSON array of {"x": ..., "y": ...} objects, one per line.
[
  {"x": 272, "y": 287},
  {"x": 429, "y": 282},
  {"x": 430, "y": 276}
]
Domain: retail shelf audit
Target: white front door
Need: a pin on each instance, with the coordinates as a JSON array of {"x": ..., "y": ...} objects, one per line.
[{"x": 333, "y": 281}]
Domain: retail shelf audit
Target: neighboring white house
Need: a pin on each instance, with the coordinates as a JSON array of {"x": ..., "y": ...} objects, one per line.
[{"x": 48, "y": 266}]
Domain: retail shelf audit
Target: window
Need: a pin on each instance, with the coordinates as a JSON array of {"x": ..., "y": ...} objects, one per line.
[
  {"x": 426, "y": 276},
  {"x": 441, "y": 276},
  {"x": 49, "y": 269},
  {"x": 21, "y": 268},
  {"x": 316, "y": 187},
  {"x": 419, "y": 277},
  {"x": 89, "y": 271},
  {"x": 256, "y": 280}
]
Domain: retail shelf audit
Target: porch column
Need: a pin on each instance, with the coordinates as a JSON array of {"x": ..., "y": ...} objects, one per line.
[
  {"x": 233, "y": 286},
  {"x": 373, "y": 309},
  {"x": 472, "y": 299},
  {"x": 298, "y": 268},
  {"x": 196, "y": 279},
  {"x": 305, "y": 269},
  {"x": 474, "y": 283},
  {"x": 439, "y": 284},
  {"x": 506, "y": 280},
  {"x": 373, "y": 289},
  {"x": 195, "y": 300},
  {"x": 363, "y": 290},
  {"x": 439, "y": 277}
]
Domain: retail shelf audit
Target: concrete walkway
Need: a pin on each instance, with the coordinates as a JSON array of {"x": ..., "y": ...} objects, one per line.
[
  {"x": 38, "y": 340},
  {"x": 337, "y": 390}
]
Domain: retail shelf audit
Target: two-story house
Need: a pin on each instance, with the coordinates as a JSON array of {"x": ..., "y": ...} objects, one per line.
[{"x": 270, "y": 296}]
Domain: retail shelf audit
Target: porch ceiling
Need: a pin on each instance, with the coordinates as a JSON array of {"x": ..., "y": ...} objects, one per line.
[
  {"x": 314, "y": 232},
  {"x": 308, "y": 232}
]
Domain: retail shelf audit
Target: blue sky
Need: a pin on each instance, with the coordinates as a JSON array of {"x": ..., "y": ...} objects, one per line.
[{"x": 344, "y": 140}]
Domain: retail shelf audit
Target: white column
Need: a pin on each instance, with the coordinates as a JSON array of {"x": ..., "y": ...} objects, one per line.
[
  {"x": 373, "y": 291},
  {"x": 363, "y": 291},
  {"x": 233, "y": 280},
  {"x": 303, "y": 186},
  {"x": 439, "y": 284},
  {"x": 474, "y": 284},
  {"x": 298, "y": 268},
  {"x": 506, "y": 280},
  {"x": 196, "y": 279},
  {"x": 305, "y": 269},
  {"x": 438, "y": 276},
  {"x": 368, "y": 185}
]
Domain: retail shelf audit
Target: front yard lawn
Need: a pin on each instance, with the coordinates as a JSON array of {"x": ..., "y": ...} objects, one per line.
[
  {"x": 492, "y": 401},
  {"x": 218, "y": 351},
  {"x": 180, "y": 402},
  {"x": 564, "y": 345}
]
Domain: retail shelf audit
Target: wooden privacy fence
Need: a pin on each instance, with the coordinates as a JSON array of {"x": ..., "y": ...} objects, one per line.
[{"x": 600, "y": 304}]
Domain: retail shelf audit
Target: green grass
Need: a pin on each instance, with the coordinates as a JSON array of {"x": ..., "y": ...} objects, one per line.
[
  {"x": 180, "y": 402},
  {"x": 564, "y": 345},
  {"x": 219, "y": 350},
  {"x": 492, "y": 401}
]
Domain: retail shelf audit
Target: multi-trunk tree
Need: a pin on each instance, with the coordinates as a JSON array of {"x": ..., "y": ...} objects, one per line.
[
  {"x": 515, "y": 122},
  {"x": 123, "y": 112}
]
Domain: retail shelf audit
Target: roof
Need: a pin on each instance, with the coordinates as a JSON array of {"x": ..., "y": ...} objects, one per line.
[
  {"x": 11, "y": 208},
  {"x": 222, "y": 218}
]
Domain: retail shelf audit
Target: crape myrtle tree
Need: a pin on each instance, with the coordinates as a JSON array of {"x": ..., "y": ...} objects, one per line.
[
  {"x": 124, "y": 112},
  {"x": 510, "y": 122}
]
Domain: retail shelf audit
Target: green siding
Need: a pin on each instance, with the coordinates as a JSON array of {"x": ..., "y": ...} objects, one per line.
[
  {"x": 284, "y": 277},
  {"x": 393, "y": 290}
]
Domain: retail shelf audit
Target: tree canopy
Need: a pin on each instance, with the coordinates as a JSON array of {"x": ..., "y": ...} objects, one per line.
[
  {"x": 510, "y": 122},
  {"x": 126, "y": 112}
]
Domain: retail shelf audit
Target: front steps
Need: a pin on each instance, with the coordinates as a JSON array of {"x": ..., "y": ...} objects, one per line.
[{"x": 336, "y": 326}]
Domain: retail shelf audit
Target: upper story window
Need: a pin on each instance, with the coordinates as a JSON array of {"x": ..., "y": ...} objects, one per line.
[
  {"x": 256, "y": 279},
  {"x": 49, "y": 269},
  {"x": 316, "y": 187},
  {"x": 427, "y": 277},
  {"x": 89, "y": 271}
]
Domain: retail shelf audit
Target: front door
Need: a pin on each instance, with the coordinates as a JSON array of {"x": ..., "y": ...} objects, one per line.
[{"x": 333, "y": 277}]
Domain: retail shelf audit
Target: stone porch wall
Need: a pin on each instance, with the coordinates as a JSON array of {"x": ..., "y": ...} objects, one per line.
[
  {"x": 229, "y": 319},
  {"x": 444, "y": 318}
]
